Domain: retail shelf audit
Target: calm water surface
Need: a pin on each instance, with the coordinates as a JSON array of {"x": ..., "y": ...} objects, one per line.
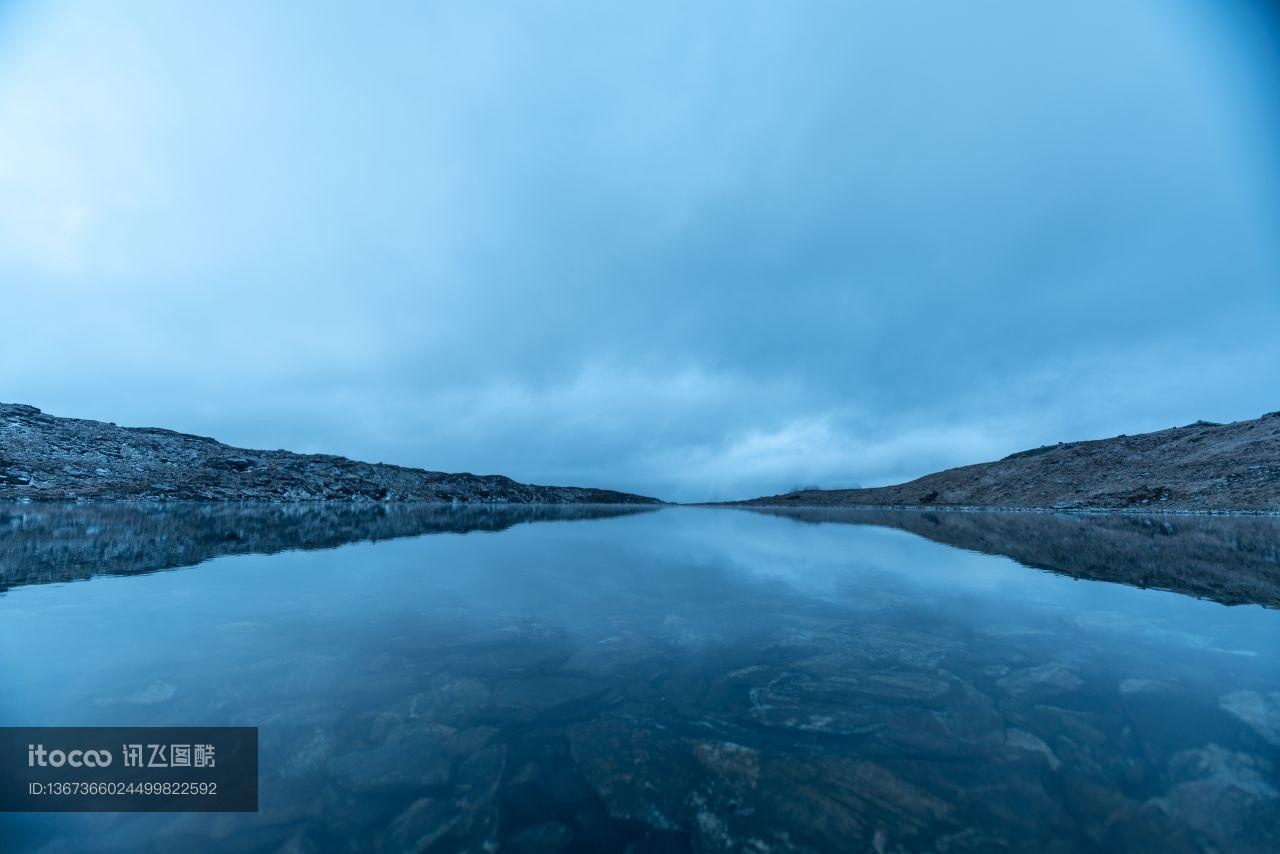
[{"x": 685, "y": 679}]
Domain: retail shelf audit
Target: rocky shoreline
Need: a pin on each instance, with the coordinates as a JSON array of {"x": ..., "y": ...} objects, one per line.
[
  {"x": 47, "y": 458},
  {"x": 1202, "y": 467}
]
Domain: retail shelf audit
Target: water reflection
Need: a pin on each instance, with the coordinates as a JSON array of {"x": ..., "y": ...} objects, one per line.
[
  {"x": 1230, "y": 559},
  {"x": 677, "y": 680},
  {"x": 42, "y": 543}
]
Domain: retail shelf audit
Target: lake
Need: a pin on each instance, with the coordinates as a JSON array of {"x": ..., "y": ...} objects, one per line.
[{"x": 542, "y": 679}]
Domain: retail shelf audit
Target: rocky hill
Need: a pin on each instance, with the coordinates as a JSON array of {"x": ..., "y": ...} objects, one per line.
[
  {"x": 1202, "y": 466},
  {"x": 46, "y": 458}
]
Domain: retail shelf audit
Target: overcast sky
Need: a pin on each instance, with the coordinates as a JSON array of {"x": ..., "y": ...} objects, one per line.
[{"x": 694, "y": 250}]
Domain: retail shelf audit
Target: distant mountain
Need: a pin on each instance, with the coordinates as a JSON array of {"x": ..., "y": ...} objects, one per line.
[
  {"x": 46, "y": 458},
  {"x": 1202, "y": 466}
]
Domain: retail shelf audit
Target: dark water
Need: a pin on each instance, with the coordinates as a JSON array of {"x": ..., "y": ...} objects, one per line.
[{"x": 686, "y": 679}]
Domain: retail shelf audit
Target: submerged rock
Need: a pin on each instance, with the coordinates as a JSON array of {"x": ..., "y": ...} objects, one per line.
[{"x": 1258, "y": 710}]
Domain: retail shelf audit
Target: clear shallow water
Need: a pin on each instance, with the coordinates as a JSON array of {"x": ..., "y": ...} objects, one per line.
[{"x": 686, "y": 679}]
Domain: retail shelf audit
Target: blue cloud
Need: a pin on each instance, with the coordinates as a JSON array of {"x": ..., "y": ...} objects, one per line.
[{"x": 698, "y": 252}]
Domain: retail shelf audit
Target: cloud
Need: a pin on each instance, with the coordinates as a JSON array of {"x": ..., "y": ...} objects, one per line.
[{"x": 700, "y": 252}]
